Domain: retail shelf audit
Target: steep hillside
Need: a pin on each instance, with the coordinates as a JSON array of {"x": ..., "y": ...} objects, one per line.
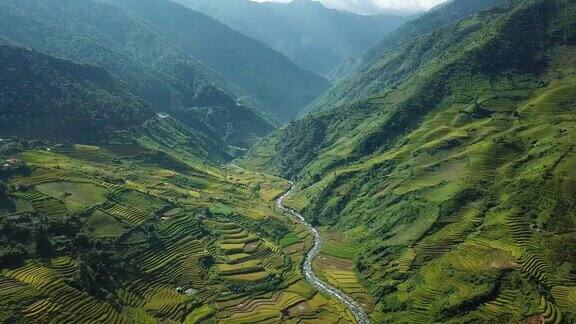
[
  {"x": 135, "y": 51},
  {"x": 260, "y": 72},
  {"x": 397, "y": 56},
  {"x": 456, "y": 184},
  {"x": 313, "y": 36},
  {"x": 49, "y": 98}
]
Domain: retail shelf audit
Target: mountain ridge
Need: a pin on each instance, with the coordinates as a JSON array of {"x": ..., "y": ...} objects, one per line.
[
  {"x": 73, "y": 102},
  {"x": 260, "y": 72},
  {"x": 308, "y": 33},
  {"x": 367, "y": 75},
  {"x": 107, "y": 36},
  {"x": 440, "y": 171}
]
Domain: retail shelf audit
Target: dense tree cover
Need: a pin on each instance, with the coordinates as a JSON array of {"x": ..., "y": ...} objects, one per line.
[
  {"x": 473, "y": 145},
  {"x": 135, "y": 51},
  {"x": 496, "y": 51},
  {"x": 313, "y": 36},
  {"x": 445, "y": 60},
  {"x": 35, "y": 236},
  {"x": 49, "y": 98},
  {"x": 31, "y": 235},
  {"x": 268, "y": 76},
  {"x": 402, "y": 52}
]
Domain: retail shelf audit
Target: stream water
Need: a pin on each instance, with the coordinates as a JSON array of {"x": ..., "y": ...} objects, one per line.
[{"x": 320, "y": 285}]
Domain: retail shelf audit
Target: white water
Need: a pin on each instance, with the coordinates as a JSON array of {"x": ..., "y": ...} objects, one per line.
[{"x": 320, "y": 285}]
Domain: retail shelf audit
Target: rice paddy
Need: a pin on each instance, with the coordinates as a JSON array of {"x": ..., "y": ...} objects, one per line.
[
  {"x": 465, "y": 218},
  {"x": 196, "y": 245},
  {"x": 335, "y": 265}
]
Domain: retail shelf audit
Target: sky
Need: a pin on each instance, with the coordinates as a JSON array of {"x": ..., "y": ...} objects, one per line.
[{"x": 375, "y": 6}]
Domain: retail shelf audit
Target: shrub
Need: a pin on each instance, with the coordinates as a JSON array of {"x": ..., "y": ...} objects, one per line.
[{"x": 12, "y": 256}]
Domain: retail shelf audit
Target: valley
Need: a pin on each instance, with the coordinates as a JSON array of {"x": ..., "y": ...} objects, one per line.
[
  {"x": 227, "y": 161},
  {"x": 354, "y": 307},
  {"x": 140, "y": 244}
]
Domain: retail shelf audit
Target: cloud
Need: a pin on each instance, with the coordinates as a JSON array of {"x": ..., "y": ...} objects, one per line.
[{"x": 374, "y": 6}]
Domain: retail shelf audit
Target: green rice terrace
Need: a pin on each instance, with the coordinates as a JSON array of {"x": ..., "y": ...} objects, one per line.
[
  {"x": 95, "y": 236},
  {"x": 145, "y": 176},
  {"x": 469, "y": 217},
  {"x": 449, "y": 196}
]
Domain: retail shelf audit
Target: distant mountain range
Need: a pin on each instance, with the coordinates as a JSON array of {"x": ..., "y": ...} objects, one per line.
[
  {"x": 259, "y": 72},
  {"x": 237, "y": 92},
  {"x": 313, "y": 36}
]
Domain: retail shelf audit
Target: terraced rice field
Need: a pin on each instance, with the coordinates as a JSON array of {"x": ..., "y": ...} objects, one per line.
[
  {"x": 335, "y": 265},
  {"x": 192, "y": 246}
]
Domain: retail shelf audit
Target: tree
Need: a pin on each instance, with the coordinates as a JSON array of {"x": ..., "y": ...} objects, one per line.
[
  {"x": 12, "y": 256},
  {"x": 43, "y": 245},
  {"x": 3, "y": 189}
]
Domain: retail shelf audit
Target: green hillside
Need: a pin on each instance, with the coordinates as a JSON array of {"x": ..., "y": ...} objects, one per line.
[
  {"x": 438, "y": 174},
  {"x": 398, "y": 55},
  {"x": 44, "y": 97},
  {"x": 135, "y": 51},
  {"x": 136, "y": 224},
  {"x": 455, "y": 183},
  {"x": 260, "y": 72},
  {"x": 49, "y": 99},
  {"x": 305, "y": 31}
]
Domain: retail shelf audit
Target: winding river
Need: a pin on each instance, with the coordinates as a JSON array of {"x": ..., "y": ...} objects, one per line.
[{"x": 320, "y": 285}]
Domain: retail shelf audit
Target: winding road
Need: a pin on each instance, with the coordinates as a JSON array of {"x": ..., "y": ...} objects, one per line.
[{"x": 320, "y": 285}]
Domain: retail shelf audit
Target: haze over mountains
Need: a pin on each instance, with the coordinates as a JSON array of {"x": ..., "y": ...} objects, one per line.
[
  {"x": 150, "y": 151},
  {"x": 384, "y": 66},
  {"x": 313, "y": 36},
  {"x": 371, "y": 7},
  {"x": 259, "y": 72}
]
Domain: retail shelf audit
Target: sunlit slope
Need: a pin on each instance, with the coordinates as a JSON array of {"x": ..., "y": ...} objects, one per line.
[
  {"x": 138, "y": 232},
  {"x": 401, "y": 52},
  {"x": 58, "y": 101},
  {"x": 459, "y": 179}
]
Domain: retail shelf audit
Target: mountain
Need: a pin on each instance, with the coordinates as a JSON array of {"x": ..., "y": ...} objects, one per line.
[
  {"x": 454, "y": 186},
  {"x": 376, "y": 70},
  {"x": 313, "y": 36},
  {"x": 111, "y": 213},
  {"x": 260, "y": 72},
  {"x": 155, "y": 69},
  {"x": 49, "y": 98}
]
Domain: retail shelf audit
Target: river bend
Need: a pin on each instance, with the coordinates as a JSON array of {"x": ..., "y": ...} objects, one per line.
[{"x": 320, "y": 285}]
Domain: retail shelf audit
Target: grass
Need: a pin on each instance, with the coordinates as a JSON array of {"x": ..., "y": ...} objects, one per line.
[
  {"x": 248, "y": 277},
  {"x": 239, "y": 268},
  {"x": 180, "y": 252},
  {"x": 220, "y": 208},
  {"x": 335, "y": 265},
  {"x": 199, "y": 314},
  {"x": 84, "y": 193},
  {"x": 289, "y": 239},
  {"x": 102, "y": 225},
  {"x": 338, "y": 252},
  {"x": 464, "y": 213}
]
